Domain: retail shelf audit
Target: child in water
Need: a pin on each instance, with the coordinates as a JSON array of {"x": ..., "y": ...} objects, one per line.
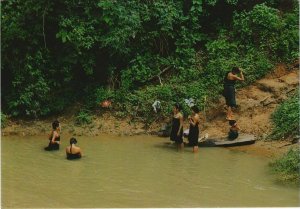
[{"x": 233, "y": 132}]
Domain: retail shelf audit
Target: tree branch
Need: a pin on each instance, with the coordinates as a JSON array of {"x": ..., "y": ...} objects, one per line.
[
  {"x": 44, "y": 28},
  {"x": 159, "y": 74}
]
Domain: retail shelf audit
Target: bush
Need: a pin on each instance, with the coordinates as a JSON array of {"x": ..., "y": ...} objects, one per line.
[
  {"x": 50, "y": 54},
  {"x": 3, "y": 120},
  {"x": 288, "y": 165},
  {"x": 266, "y": 29},
  {"x": 83, "y": 117},
  {"x": 102, "y": 94},
  {"x": 286, "y": 119},
  {"x": 30, "y": 89}
]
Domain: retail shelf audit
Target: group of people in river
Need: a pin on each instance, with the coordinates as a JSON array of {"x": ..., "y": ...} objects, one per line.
[
  {"x": 72, "y": 151},
  {"x": 236, "y": 74}
]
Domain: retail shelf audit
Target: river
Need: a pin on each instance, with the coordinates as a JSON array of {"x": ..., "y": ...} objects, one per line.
[{"x": 136, "y": 171}]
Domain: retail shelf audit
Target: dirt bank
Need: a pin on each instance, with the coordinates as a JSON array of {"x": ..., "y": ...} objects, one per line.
[{"x": 257, "y": 102}]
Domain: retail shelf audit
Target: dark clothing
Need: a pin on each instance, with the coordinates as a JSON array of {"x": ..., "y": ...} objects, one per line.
[
  {"x": 174, "y": 131},
  {"x": 232, "y": 135},
  {"x": 229, "y": 91},
  {"x": 71, "y": 156},
  {"x": 193, "y": 135},
  {"x": 52, "y": 146},
  {"x": 229, "y": 94}
]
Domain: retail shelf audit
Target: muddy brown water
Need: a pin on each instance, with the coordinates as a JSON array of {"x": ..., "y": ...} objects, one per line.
[{"x": 137, "y": 171}]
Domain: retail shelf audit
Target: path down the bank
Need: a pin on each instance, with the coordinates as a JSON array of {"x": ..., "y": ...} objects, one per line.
[{"x": 256, "y": 104}]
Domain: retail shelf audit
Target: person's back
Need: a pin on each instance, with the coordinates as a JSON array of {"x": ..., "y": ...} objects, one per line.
[{"x": 72, "y": 151}]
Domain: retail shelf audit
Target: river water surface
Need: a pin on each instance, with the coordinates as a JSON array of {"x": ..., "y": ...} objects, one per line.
[{"x": 138, "y": 171}]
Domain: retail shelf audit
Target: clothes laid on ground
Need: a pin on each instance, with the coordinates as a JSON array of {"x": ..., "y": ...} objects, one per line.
[
  {"x": 190, "y": 102},
  {"x": 229, "y": 91},
  {"x": 193, "y": 135},
  {"x": 232, "y": 135},
  {"x": 156, "y": 106},
  {"x": 53, "y": 146},
  {"x": 174, "y": 131}
]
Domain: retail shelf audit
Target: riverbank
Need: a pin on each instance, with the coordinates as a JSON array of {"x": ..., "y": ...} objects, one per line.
[
  {"x": 107, "y": 124},
  {"x": 257, "y": 102}
]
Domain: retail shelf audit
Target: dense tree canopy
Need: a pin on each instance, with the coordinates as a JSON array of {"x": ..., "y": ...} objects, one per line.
[{"x": 59, "y": 51}]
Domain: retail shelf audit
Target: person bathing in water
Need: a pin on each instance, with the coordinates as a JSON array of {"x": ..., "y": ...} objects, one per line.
[
  {"x": 194, "y": 128},
  {"x": 54, "y": 137},
  {"x": 177, "y": 127},
  {"x": 229, "y": 89},
  {"x": 72, "y": 151},
  {"x": 233, "y": 132}
]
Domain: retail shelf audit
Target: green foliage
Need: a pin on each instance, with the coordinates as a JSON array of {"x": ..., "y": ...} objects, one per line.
[
  {"x": 286, "y": 119},
  {"x": 84, "y": 117},
  {"x": 288, "y": 166},
  {"x": 3, "y": 120},
  {"x": 58, "y": 52},
  {"x": 143, "y": 69},
  {"x": 102, "y": 94},
  {"x": 267, "y": 30},
  {"x": 30, "y": 89}
]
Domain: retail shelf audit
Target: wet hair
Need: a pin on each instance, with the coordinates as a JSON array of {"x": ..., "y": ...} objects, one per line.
[
  {"x": 235, "y": 70},
  {"x": 178, "y": 106},
  {"x": 195, "y": 109},
  {"x": 55, "y": 124},
  {"x": 232, "y": 122},
  {"x": 73, "y": 141}
]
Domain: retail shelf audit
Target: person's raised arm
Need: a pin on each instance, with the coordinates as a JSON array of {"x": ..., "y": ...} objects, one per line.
[
  {"x": 193, "y": 120},
  {"x": 235, "y": 77},
  {"x": 242, "y": 75}
]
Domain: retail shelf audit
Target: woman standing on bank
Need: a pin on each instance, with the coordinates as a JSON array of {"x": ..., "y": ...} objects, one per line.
[
  {"x": 177, "y": 127},
  {"x": 194, "y": 128},
  {"x": 229, "y": 89}
]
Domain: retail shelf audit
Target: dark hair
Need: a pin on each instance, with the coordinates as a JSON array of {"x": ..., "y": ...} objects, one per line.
[
  {"x": 55, "y": 124},
  {"x": 195, "y": 109},
  {"x": 178, "y": 106},
  {"x": 73, "y": 141},
  {"x": 235, "y": 70},
  {"x": 232, "y": 122}
]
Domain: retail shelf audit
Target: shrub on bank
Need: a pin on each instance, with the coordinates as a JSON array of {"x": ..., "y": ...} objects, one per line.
[
  {"x": 286, "y": 119},
  {"x": 287, "y": 167},
  {"x": 83, "y": 117},
  {"x": 3, "y": 120}
]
